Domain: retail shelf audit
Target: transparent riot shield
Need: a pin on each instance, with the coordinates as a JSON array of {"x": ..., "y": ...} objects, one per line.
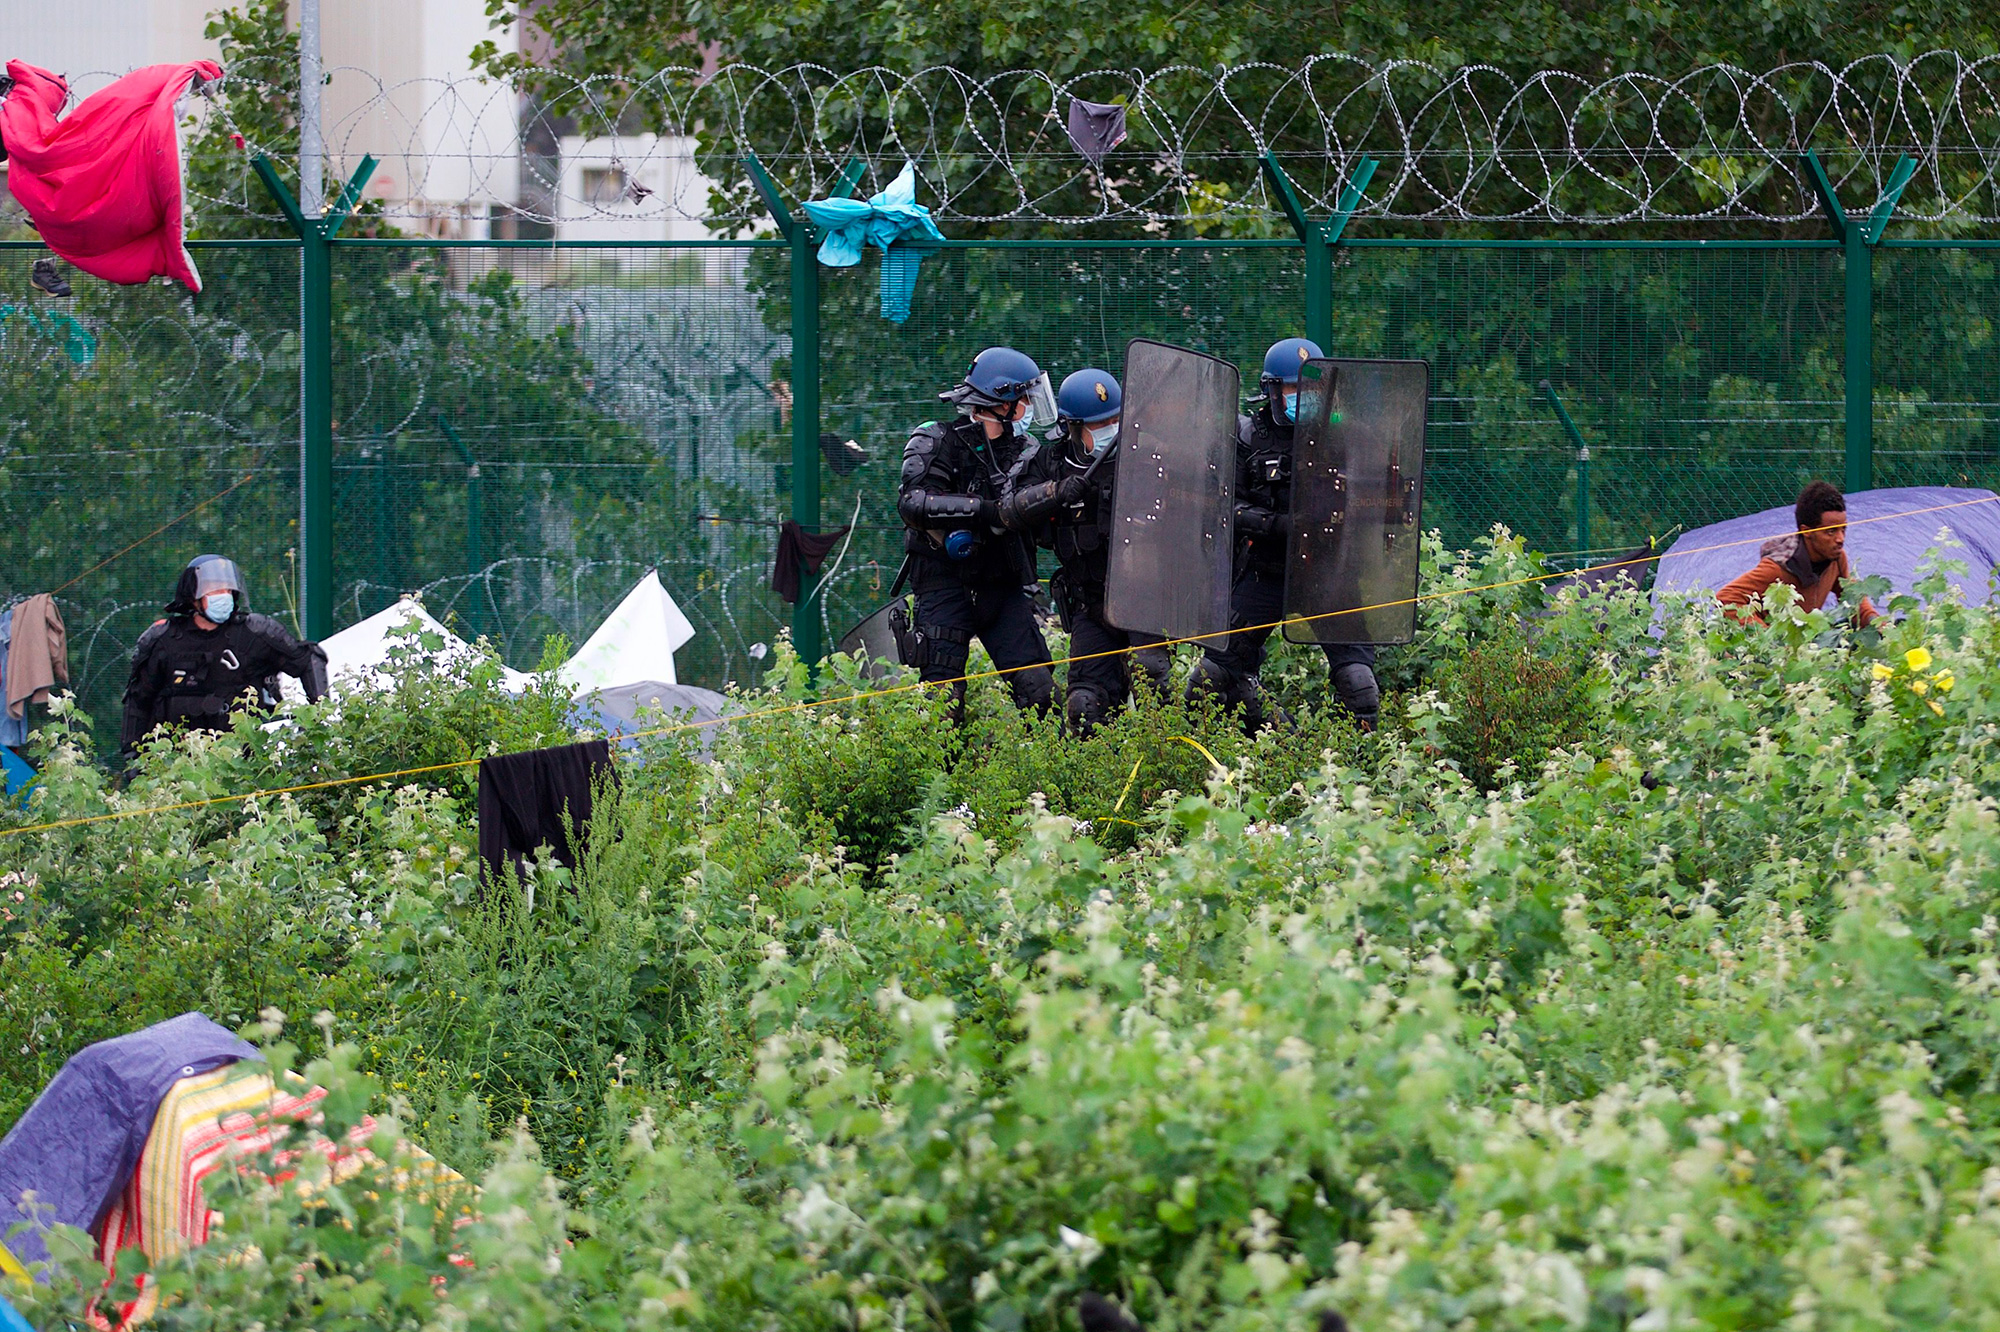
[
  {"x": 876, "y": 639},
  {"x": 1173, "y": 498},
  {"x": 1357, "y": 501}
]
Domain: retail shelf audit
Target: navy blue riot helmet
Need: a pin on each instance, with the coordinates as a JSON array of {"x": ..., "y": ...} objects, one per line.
[
  {"x": 999, "y": 376},
  {"x": 1281, "y": 367},
  {"x": 202, "y": 575},
  {"x": 1090, "y": 396},
  {"x": 1087, "y": 410}
]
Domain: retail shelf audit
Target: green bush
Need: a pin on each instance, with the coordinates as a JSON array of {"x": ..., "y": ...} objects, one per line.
[
  {"x": 861, "y": 1026},
  {"x": 1507, "y": 702}
]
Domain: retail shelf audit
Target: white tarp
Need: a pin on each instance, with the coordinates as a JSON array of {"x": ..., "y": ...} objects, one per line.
[
  {"x": 358, "y": 656},
  {"x": 635, "y": 644}
]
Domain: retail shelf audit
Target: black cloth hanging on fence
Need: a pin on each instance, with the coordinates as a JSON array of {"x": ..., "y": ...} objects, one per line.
[
  {"x": 523, "y": 799},
  {"x": 797, "y": 546},
  {"x": 1095, "y": 128}
]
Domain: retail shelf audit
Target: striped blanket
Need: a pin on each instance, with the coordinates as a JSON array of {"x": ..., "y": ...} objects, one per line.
[{"x": 235, "y": 1114}]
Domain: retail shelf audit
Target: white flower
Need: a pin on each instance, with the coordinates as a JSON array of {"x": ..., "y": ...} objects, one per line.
[{"x": 818, "y": 1217}]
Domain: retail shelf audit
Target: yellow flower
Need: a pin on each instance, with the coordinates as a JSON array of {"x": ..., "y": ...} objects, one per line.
[
  {"x": 1882, "y": 672},
  {"x": 1935, "y": 708},
  {"x": 1944, "y": 680},
  {"x": 1918, "y": 658},
  {"x": 1919, "y": 687}
]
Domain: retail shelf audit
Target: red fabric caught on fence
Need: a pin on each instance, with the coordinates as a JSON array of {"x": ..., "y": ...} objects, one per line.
[{"x": 103, "y": 184}]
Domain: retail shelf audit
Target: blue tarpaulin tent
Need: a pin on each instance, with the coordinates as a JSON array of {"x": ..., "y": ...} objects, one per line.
[
  {"x": 78, "y": 1144},
  {"x": 1889, "y": 533}
]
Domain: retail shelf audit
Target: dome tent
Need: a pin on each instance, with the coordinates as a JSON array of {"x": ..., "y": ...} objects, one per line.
[
  {"x": 358, "y": 656},
  {"x": 636, "y": 642},
  {"x": 626, "y": 668}
]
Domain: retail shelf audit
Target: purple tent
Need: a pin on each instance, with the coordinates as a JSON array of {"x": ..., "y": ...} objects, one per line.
[
  {"x": 1888, "y": 533},
  {"x": 78, "y": 1144}
]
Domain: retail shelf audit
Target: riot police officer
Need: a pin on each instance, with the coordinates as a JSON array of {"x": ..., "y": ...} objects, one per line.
[
  {"x": 196, "y": 665},
  {"x": 1228, "y": 669},
  {"x": 972, "y": 577},
  {"x": 1059, "y": 494}
]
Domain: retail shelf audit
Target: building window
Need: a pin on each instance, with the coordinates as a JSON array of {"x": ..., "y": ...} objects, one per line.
[{"x": 603, "y": 186}]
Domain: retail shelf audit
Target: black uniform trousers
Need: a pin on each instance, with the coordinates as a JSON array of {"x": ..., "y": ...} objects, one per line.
[
  {"x": 1256, "y": 604},
  {"x": 951, "y": 612},
  {"x": 1102, "y": 679}
]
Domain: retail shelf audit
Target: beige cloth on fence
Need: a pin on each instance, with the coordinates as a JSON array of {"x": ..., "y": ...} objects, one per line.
[{"x": 37, "y": 655}]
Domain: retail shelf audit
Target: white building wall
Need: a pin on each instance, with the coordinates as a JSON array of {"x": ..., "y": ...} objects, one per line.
[
  {"x": 91, "y": 42},
  {"x": 592, "y": 208},
  {"x": 403, "y": 89}
]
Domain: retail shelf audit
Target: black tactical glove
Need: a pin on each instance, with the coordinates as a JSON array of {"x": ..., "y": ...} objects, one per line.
[{"x": 1254, "y": 521}]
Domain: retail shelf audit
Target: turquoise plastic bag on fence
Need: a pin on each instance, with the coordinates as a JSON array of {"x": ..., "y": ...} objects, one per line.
[{"x": 892, "y": 221}]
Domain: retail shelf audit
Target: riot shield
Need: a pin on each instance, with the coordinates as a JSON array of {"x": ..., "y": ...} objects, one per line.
[
  {"x": 1357, "y": 498},
  {"x": 1173, "y": 499},
  {"x": 875, "y": 639}
]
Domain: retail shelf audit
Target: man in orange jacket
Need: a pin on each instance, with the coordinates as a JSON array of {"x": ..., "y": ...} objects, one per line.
[{"x": 1812, "y": 561}]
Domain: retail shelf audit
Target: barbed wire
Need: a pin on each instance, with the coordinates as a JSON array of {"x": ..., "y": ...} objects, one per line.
[{"x": 1468, "y": 144}]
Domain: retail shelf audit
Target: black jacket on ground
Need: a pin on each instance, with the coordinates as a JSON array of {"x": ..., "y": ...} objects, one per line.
[{"x": 197, "y": 677}]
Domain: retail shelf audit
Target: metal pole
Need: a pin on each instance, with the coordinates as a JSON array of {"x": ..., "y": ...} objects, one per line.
[
  {"x": 316, "y": 233},
  {"x": 316, "y": 346},
  {"x": 1582, "y": 465},
  {"x": 1859, "y": 367},
  {"x": 1857, "y": 245},
  {"x": 1319, "y": 286},
  {"x": 315, "y": 434},
  {"x": 1582, "y": 501},
  {"x": 806, "y": 633},
  {"x": 1319, "y": 239},
  {"x": 475, "y": 615},
  {"x": 312, "y": 145}
]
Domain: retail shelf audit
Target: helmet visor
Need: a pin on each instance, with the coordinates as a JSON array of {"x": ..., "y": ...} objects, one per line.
[
  {"x": 217, "y": 575},
  {"x": 1042, "y": 395}
]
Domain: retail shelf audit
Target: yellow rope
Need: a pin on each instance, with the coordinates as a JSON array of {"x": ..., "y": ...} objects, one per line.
[{"x": 866, "y": 695}]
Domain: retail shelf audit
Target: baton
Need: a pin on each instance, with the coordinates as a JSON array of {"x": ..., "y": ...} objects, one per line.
[{"x": 1100, "y": 459}]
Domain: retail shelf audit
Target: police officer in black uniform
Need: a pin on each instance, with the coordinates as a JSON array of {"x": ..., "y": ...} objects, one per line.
[
  {"x": 1059, "y": 494},
  {"x": 972, "y": 577},
  {"x": 1228, "y": 667},
  {"x": 195, "y": 666}
]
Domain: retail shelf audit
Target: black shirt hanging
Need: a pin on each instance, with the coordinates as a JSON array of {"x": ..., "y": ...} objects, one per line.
[{"x": 523, "y": 800}]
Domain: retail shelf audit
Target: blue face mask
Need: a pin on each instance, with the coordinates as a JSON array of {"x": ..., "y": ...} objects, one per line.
[
  {"x": 1103, "y": 437},
  {"x": 1291, "y": 407},
  {"x": 219, "y": 607},
  {"x": 1022, "y": 422}
]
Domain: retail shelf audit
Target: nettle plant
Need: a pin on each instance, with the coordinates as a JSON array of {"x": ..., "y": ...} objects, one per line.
[{"x": 1680, "y": 1013}]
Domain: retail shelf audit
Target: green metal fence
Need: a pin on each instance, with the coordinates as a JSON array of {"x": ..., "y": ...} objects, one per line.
[{"x": 518, "y": 431}]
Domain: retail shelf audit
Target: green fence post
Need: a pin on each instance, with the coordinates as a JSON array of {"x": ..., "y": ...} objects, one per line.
[
  {"x": 315, "y": 389},
  {"x": 475, "y": 615},
  {"x": 808, "y": 639},
  {"x": 1582, "y": 469},
  {"x": 1857, "y": 245},
  {"x": 1319, "y": 240}
]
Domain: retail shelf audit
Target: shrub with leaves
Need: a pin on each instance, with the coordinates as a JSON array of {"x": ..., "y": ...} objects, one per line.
[{"x": 1688, "y": 1024}]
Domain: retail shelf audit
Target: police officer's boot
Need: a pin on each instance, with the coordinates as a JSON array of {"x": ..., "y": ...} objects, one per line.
[
  {"x": 1151, "y": 666},
  {"x": 1084, "y": 709},
  {"x": 1359, "y": 693},
  {"x": 1033, "y": 687}
]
